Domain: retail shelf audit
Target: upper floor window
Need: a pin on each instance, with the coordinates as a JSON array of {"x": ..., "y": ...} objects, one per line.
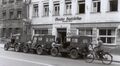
[
  {"x": 11, "y": 1},
  {"x": 56, "y": 9},
  {"x": 81, "y": 6},
  {"x": 11, "y": 13},
  {"x": 45, "y": 9},
  {"x": 35, "y": 10},
  {"x": 113, "y": 5},
  {"x": 4, "y": 1},
  {"x": 19, "y": 13},
  {"x": 96, "y": 5},
  {"x": 4, "y": 14},
  {"x": 68, "y": 6}
]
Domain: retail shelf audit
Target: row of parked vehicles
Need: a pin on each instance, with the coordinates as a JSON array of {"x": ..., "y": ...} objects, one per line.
[{"x": 74, "y": 46}]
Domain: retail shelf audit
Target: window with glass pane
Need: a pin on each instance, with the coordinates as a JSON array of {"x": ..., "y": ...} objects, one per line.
[
  {"x": 96, "y": 4},
  {"x": 37, "y": 31},
  {"x": 74, "y": 40},
  {"x": 85, "y": 32},
  {"x": 81, "y": 6},
  {"x": 56, "y": 9},
  {"x": 46, "y": 9},
  {"x": 35, "y": 10},
  {"x": 113, "y": 5},
  {"x": 4, "y": 14},
  {"x": 11, "y": 1},
  {"x": 11, "y": 14},
  {"x": 4, "y": 1},
  {"x": 19, "y": 0},
  {"x": 68, "y": 6},
  {"x": 19, "y": 13},
  {"x": 107, "y": 35}
]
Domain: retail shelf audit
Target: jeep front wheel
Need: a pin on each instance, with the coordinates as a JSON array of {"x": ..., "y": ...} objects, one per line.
[
  {"x": 39, "y": 50},
  {"x": 6, "y": 46},
  {"x": 74, "y": 54},
  {"x": 54, "y": 52},
  {"x": 25, "y": 48},
  {"x": 17, "y": 48}
]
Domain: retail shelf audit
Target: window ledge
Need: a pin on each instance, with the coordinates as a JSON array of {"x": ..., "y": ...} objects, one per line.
[
  {"x": 67, "y": 14},
  {"x": 35, "y": 16},
  {"x": 56, "y": 15},
  {"x": 45, "y": 16},
  {"x": 112, "y": 11},
  {"x": 109, "y": 44},
  {"x": 80, "y": 13},
  {"x": 95, "y": 12}
]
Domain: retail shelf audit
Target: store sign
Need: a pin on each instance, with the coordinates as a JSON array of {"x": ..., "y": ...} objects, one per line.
[{"x": 67, "y": 19}]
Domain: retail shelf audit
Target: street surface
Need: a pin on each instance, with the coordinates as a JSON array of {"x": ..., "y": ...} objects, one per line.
[{"x": 11, "y": 58}]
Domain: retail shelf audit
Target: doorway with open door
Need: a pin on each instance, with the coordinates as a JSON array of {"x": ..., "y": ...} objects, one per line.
[{"x": 61, "y": 35}]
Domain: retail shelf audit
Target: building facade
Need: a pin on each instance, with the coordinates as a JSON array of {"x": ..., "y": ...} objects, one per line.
[
  {"x": 1, "y": 21},
  {"x": 95, "y": 18},
  {"x": 14, "y": 15}
]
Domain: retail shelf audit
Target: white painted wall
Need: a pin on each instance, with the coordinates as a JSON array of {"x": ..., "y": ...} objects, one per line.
[{"x": 103, "y": 16}]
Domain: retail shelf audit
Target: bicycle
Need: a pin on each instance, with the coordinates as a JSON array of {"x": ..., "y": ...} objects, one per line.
[{"x": 105, "y": 57}]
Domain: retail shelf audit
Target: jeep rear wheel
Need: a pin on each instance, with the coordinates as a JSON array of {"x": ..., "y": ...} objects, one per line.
[
  {"x": 17, "y": 48},
  {"x": 39, "y": 50},
  {"x": 74, "y": 54},
  {"x": 6, "y": 47},
  {"x": 54, "y": 52},
  {"x": 25, "y": 48}
]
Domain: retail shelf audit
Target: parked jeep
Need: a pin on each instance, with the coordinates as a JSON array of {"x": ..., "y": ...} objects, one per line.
[
  {"x": 74, "y": 46},
  {"x": 14, "y": 43},
  {"x": 40, "y": 43}
]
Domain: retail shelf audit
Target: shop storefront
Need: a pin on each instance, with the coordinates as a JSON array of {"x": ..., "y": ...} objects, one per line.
[{"x": 108, "y": 32}]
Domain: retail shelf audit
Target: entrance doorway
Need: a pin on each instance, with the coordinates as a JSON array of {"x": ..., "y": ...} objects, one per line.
[{"x": 61, "y": 35}]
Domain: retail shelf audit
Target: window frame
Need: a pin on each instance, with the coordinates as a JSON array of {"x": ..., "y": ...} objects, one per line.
[
  {"x": 46, "y": 9},
  {"x": 96, "y": 6},
  {"x": 68, "y": 4},
  {"x": 106, "y": 36},
  {"x": 110, "y": 6},
  {"x": 35, "y": 10},
  {"x": 56, "y": 12},
  {"x": 11, "y": 13},
  {"x": 81, "y": 2}
]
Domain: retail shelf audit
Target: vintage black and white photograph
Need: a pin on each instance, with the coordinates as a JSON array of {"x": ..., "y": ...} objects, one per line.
[{"x": 59, "y": 32}]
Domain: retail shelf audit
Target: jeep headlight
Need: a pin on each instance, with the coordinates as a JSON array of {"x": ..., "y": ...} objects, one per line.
[
  {"x": 42, "y": 45},
  {"x": 77, "y": 48}
]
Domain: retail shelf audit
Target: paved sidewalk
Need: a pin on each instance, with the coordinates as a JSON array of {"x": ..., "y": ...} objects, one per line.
[{"x": 116, "y": 58}]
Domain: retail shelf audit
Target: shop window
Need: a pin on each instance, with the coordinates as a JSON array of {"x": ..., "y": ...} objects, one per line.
[
  {"x": 37, "y": 31},
  {"x": 40, "y": 39},
  {"x": 113, "y": 5},
  {"x": 45, "y": 9},
  {"x": 107, "y": 35},
  {"x": 11, "y": 1},
  {"x": 19, "y": 0},
  {"x": 56, "y": 9},
  {"x": 4, "y": 1},
  {"x": 84, "y": 32},
  {"x": 74, "y": 40},
  {"x": 68, "y": 7},
  {"x": 81, "y": 6},
  {"x": 35, "y": 10},
  {"x": 96, "y": 4}
]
